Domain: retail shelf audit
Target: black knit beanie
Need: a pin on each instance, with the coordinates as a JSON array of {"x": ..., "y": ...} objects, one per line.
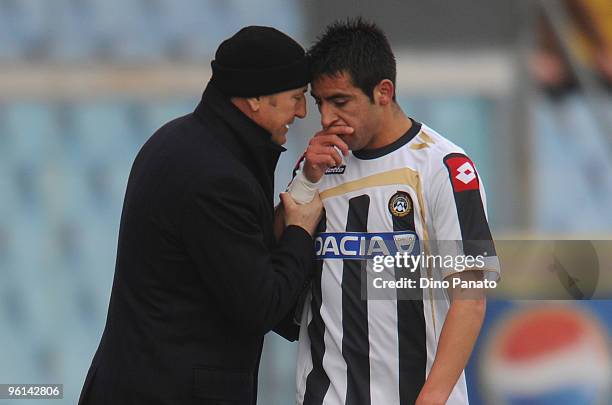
[{"x": 258, "y": 61}]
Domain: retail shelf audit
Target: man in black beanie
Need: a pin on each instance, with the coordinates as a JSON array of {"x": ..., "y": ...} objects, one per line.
[{"x": 200, "y": 276}]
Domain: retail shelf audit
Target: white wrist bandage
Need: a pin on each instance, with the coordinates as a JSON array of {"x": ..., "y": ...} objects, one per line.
[{"x": 301, "y": 189}]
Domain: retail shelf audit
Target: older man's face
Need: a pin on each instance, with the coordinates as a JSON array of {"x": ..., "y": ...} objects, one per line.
[{"x": 277, "y": 112}]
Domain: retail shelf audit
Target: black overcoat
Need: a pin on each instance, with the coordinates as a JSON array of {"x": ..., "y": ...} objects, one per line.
[{"x": 199, "y": 277}]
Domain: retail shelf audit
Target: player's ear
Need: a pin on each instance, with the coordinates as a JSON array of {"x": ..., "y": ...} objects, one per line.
[{"x": 383, "y": 92}]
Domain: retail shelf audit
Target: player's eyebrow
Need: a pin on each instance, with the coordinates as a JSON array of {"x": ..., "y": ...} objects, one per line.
[
  {"x": 332, "y": 97},
  {"x": 337, "y": 96}
]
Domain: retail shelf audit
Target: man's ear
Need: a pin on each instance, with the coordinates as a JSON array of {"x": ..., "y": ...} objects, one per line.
[
  {"x": 254, "y": 103},
  {"x": 384, "y": 91}
]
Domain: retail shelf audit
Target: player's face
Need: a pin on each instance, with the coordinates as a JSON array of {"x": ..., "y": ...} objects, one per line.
[
  {"x": 277, "y": 112},
  {"x": 341, "y": 103}
]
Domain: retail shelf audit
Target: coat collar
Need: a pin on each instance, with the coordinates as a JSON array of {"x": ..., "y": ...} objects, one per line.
[{"x": 246, "y": 140}]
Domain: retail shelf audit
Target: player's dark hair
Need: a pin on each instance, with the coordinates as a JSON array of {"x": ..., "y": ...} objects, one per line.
[{"x": 357, "y": 47}]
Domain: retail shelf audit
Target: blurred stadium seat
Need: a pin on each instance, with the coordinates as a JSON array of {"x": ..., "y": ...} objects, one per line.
[
  {"x": 30, "y": 132},
  {"x": 158, "y": 112}
]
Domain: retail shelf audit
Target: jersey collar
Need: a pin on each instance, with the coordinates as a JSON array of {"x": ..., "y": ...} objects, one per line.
[{"x": 367, "y": 154}]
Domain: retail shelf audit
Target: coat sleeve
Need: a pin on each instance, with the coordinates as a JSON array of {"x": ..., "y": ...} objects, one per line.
[
  {"x": 254, "y": 286},
  {"x": 289, "y": 327}
]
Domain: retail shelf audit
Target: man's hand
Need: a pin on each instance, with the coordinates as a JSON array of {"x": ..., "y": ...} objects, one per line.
[
  {"x": 306, "y": 216},
  {"x": 321, "y": 152}
]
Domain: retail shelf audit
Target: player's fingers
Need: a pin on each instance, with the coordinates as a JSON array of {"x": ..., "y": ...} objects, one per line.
[
  {"x": 321, "y": 161},
  {"x": 320, "y": 148},
  {"x": 335, "y": 129},
  {"x": 340, "y": 144},
  {"x": 314, "y": 155},
  {"x": 340, "y": 129},
  {"x": 330, "y": 139},
  {"x": 335, "y": 155},
  {"x": 320, "y": 154}
]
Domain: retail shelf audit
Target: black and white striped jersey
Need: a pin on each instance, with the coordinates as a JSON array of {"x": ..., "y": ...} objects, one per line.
[{"x": 359, "y": 346}]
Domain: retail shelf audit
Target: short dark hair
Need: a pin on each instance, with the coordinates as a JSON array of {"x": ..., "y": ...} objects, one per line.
[{"x": 357, "y": 47}]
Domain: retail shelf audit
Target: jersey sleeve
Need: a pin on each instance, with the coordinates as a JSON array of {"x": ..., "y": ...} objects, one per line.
[
  {"x": 459, "y": 217},
  {"x": 299, "y": 165}
]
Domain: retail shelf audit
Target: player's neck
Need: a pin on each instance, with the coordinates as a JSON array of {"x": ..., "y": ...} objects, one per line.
[{"x": 394, "y": 126}]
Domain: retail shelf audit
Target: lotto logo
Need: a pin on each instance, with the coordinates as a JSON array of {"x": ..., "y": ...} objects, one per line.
[
  {"x": 462, "y": 172},
  {"x": 466, "y": 173}
]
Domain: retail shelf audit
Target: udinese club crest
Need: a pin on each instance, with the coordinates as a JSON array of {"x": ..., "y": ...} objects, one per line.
[{"x": 400, "y": 204}]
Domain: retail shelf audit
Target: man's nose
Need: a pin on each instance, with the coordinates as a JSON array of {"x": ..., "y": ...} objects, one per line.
[
  {"x": 301, "y": 110},
  {"x": 328, "y": 117}
]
